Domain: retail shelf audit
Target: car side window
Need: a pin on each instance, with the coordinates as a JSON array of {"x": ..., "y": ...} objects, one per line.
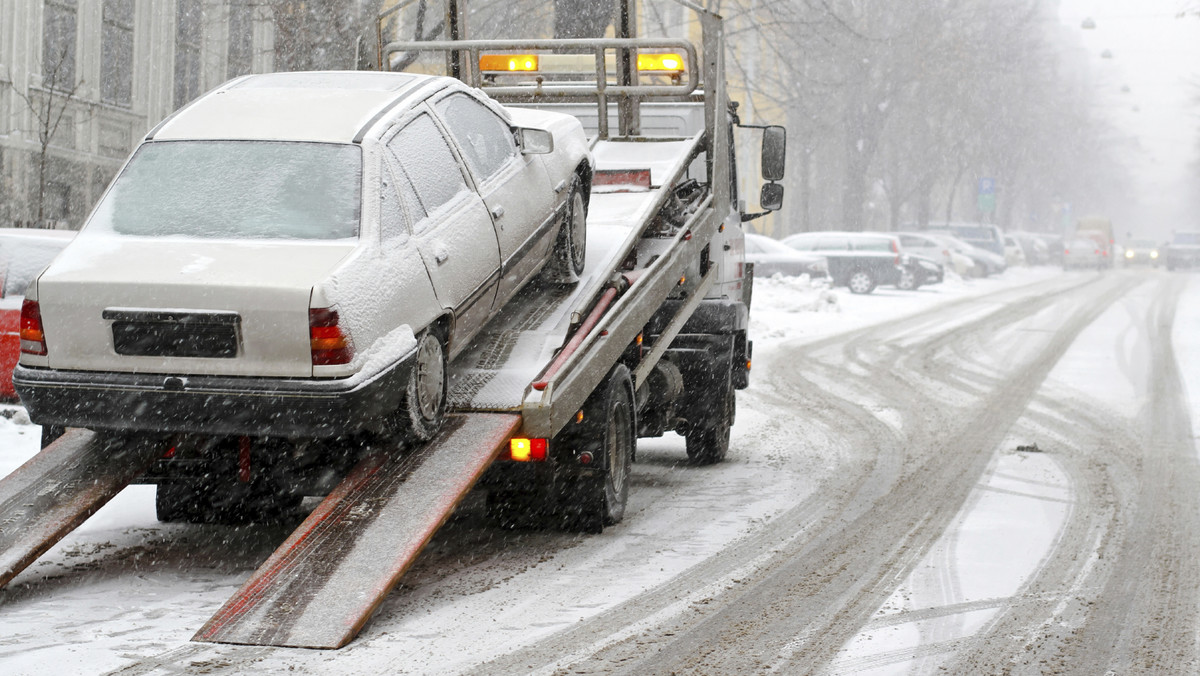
[
  {"x": 426, "y": 160},
  {"x": 833, "y": 244},
  {"x": 486, "y": 140},
  {"x": 802, "y": 243},
  {"x": 393, "y": 222}
]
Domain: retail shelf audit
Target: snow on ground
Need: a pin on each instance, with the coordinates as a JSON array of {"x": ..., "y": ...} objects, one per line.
[{"x": 130, "y": 610}]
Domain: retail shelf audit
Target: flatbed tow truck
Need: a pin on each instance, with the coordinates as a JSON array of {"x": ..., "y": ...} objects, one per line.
[{"x": 549, "y": 401}]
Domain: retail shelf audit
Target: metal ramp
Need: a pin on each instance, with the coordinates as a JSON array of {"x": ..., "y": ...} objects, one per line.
[
  {"x": 323, "y": 583},
  {"x": 59, "y": 488}
]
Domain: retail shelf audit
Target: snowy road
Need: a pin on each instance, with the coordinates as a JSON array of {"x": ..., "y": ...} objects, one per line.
[{"x": 875, "y": 516}]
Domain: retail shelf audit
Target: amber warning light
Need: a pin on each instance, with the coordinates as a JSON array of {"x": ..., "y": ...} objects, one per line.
[{"x": 508, "y": 62}]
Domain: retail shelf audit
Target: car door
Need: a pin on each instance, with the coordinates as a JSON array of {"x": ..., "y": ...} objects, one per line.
[
  {"x": 514, "y": 186},
  {"x": 451, "y": 226}
]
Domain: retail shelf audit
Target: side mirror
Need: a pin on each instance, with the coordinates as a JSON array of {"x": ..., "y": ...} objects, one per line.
[
  {"x": 774, "y": 153},
  {"x": 535, "y": 141},
  {"x": 771, "y": 196}
]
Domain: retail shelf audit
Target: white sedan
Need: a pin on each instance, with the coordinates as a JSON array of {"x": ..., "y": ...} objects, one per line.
[{"x": 299, "y": 255}]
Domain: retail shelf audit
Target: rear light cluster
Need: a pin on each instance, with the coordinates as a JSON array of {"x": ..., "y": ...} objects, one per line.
[
  {"x": 527, "y": 450},
  {"x": 33, "y": 339},
  {"x": 330, "y": 344}
]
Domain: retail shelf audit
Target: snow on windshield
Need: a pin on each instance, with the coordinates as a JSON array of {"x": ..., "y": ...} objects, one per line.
[{"x": 236, "y": 189}]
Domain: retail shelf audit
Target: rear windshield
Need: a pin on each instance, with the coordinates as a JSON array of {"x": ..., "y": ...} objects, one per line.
[
  {"x": 22, "y": 258},
  {"x": 236, "y": 189}
]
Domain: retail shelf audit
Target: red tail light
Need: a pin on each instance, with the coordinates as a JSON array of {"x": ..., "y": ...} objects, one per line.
[
  {"x": 33, "y": 340},
  {"x": 330, "y": 344}
]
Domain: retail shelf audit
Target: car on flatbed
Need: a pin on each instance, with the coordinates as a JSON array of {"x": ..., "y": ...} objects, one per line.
[{"x": 299, "y": 255}]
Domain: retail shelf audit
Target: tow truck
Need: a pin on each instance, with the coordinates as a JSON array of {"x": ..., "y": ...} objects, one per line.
[{"x": 549, "y": 401}]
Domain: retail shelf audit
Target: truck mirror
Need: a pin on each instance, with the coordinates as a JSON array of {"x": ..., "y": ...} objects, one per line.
[
  {"x": 771, "y": 197},
  {"x": 535, "y": 141},
  {"x": 774, "y": 151}
]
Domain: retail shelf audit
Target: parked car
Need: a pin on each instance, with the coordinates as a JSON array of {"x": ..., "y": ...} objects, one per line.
[
  {"x": 1184, "y": 250},
  {"x": 1033, "y": 247},
  {"x": 1014, "y": 255},
  {"x": 772, "y": 257},
  {"x": 934, "y": 246},
  {"x": 857, "y": 260},
  {"x": 1140, "y": 252},
  {"x": 983, "y": 235},
  {"x": 255, "y": 271},
  {"x": 1084, "y": 253},
  {"x": 24, "y": 252}
]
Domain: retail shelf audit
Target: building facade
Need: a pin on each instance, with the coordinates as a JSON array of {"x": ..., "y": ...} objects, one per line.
[{"x": 81, "y": 81}]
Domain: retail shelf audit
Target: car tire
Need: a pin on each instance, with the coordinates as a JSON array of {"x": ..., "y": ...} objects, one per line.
[
  {"x": 861, "y": 282},
  {"x": 908, "y": 281},
  {"x": 570, "y": 247},
  {"x": 597, "y": 501},
  {"x": 424, "y": 406}
]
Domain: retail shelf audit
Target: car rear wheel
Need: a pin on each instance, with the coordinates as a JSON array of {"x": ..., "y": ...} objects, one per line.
[
  {"x": 908, "y": 281},
  {"x": 424, "y": 406},
  {"x": 570, "y": 249},
  {"x": 861, "y": 281}
]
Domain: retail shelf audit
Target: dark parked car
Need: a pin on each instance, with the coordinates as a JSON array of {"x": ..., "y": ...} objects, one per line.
[
  {"x": 857, "y": 260},
  {"x": 770, "y": 257},
  {"x": 1184, "y": 250}
]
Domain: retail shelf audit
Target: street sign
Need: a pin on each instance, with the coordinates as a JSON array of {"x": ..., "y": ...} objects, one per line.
[{"x": 987, "y": 195}]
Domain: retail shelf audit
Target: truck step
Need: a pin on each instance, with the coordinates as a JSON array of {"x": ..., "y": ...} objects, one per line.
[
  {"x": 59, "y": 488},
  {"x": 321, "y": 585}
]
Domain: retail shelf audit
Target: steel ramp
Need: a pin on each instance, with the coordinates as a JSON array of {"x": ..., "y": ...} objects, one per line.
[
  {"x": 321, "y": 585},
  {"x": 59, "y": 488}
]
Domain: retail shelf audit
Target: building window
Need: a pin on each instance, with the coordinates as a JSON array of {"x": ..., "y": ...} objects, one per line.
[
  {"x": 241, "y": 40},
  {"x": 116, "y": 75},
  {"x": 189, "y": 15},
  {"x": 59, "y": 20}
]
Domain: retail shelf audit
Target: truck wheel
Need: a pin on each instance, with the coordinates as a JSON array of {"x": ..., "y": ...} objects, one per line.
[
  {"x": 860, "y": 282},
  {"x": 599, "y": 501},
  {"x": 570, "y": 248},
  {"x": 708, "y": 440},
  {"x": 424, "y": 406}
]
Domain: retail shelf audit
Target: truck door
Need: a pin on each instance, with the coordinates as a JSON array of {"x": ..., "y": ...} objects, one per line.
[
  {"x": 451, "y": 226},
  {"x": 514, "y": 186}
]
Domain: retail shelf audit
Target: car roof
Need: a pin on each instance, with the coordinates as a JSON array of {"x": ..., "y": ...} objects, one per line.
[{"x": 322, "y": 106}]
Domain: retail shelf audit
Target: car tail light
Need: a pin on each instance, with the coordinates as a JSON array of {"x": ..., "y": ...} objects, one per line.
[
  {"x": 33, "y": 339},
  {"x": 330, "y": 344},
  {"x": 527, "y": 450}
]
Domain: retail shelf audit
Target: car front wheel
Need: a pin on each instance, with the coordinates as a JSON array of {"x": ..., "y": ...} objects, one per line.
[{"x": 861, "y": 281}]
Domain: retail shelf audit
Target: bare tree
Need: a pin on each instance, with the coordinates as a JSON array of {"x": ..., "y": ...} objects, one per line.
[{"x": 48, "y": 114}]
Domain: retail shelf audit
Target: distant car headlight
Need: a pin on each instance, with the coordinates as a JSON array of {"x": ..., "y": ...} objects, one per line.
[
  {"x": 1129, "y": 253},
  {"x": 1154, "y": 254}
]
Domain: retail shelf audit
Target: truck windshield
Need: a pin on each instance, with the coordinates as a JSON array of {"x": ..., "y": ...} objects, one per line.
[{"x": 236, "y": 189}]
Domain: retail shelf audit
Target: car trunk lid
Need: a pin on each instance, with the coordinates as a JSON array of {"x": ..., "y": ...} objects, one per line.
[{"x": 196, "y": 307}]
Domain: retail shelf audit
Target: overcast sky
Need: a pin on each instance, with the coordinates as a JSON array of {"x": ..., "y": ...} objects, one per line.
[{"x": 1157, "y": 56}]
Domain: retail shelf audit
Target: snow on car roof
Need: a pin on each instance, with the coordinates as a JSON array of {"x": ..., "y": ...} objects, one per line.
[{"x": 331, "y": 106}]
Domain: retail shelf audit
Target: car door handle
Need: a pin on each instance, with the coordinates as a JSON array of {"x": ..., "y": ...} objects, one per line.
[
  {"x": 497, "y": 211},
  {"x": 441, "y": 252}
]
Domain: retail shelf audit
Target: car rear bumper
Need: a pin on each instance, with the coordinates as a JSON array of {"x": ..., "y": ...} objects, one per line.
[{"x": 290, "y": 407}]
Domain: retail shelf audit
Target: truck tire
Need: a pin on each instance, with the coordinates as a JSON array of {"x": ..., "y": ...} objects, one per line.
[
  {"x": 708, "y": 440},
  {"x": 599, "y": 500},
  {"x": 861, "y": 282},
  {"x": 424, "y": 408},
  {"x": 570, "y": 247}
]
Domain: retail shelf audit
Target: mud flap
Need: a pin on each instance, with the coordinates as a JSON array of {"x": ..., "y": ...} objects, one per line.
[
  {"x": 321, "y": 586},
  {"x": 60, "y": 487}
]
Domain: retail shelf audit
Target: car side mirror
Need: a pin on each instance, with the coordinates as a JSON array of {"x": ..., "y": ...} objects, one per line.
[
  {"x": 774, "y": 153},
  {"x": 535, "y": 141},
  {"x": 771, "y": 196}
]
